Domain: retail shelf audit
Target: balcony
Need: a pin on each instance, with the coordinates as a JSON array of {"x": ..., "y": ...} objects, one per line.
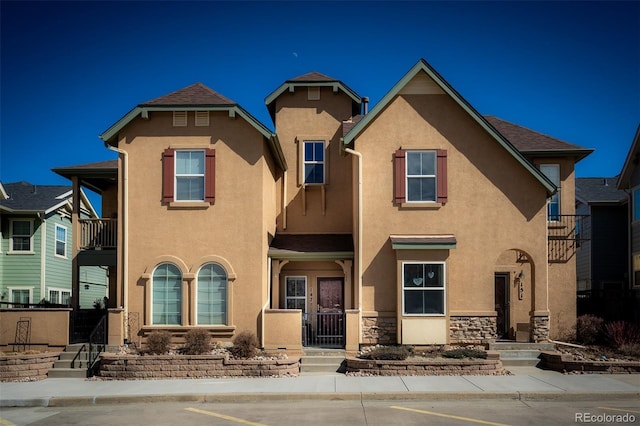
[
  {"x": 98, "y": 242},
  {"x": 565, "y": 235}
]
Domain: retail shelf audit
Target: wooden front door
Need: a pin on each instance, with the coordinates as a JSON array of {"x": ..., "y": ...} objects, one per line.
[
  {"x": 330, "y": 295},
  {"x": 502, "y": 305}
]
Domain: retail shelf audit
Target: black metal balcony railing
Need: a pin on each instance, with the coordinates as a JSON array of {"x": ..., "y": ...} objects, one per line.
[
  {"x": 566, "y": 234},
  {"x": 98, "y": 233}
]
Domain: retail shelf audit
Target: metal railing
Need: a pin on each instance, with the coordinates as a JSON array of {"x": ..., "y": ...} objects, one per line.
[
  {"x": 565, "y": 235},
  {"x": 97, "y": 344},
  {"x": 98, "y": 233},
  {"x": 323, "y": 329}
]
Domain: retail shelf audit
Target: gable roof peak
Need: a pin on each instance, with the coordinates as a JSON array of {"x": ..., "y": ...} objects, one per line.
[
  {"x": 196, "y": 94},
  {"x": 312, "y": 77}
]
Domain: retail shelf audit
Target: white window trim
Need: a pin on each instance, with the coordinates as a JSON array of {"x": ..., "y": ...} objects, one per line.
[
  {"x": 15, "y": 288},
  {"x": 306, "y": 291},
  {"x": 11, "y": 250},
  {"x": 435, "y": 176},
  {"x": 61, "y": 290},
  {"x": 226, "y": 313},
  {"x": 55, "y": 241},
  {"x": 305, "y": 162},
  {"x": 443, "y": 288},
  {"x": 203, "y": 175}
]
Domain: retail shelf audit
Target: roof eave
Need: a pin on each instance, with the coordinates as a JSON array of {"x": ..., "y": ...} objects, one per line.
[
  {"x": 579, "y": 154},
  {"x": 422, "y": 65},
  {"x": 625, "y": 174}
]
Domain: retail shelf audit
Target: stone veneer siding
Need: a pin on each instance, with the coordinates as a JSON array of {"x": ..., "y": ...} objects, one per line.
[
  {"x": 540, "y": 329},
  {"x": 379, "y": 330},
  {"x": 122, "y": 367},
  {"x": 472, "y": 330},
  {"x": 26, "y": 367}
]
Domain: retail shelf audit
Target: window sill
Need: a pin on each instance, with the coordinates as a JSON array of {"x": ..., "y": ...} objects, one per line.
[
  {"x": 192, "y": 205},
  {"x": 21, "y": 252},
  {"x": 421, "y": 206}
]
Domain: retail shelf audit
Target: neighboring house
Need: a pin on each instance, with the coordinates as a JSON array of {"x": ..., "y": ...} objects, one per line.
[
  {"x": 35, "y": 247},
  {"x": 629, "y": 181},
  {"x": 419, "y": 222},
  {"x": 602, "y": 260}
]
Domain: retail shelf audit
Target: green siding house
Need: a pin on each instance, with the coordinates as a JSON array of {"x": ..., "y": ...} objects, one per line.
[{"x": 35, "y": 247}]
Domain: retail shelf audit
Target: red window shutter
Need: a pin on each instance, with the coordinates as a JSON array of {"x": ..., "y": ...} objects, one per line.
[
  {"x": 400, "y": 191},
  {"x": 442, "y": 176},
  {"x": 168, "y": 158},
  {"x": 210, "y": 176}
]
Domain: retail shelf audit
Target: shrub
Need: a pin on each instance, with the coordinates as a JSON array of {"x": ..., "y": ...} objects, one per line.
[
  {"x": 158, "y": 342},
  {"x": 245, "y": 345},
  {"x": 398, "y": 353},
  {"x": 197, "y": 342},
  {"x": 630, "y": 349},
  {"x": 620, "y": 333},
  {"x": 589, "y": 329},
  {"x": 464, "y": 353}
]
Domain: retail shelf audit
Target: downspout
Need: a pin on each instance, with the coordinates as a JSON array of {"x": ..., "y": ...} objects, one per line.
[
  {"x": 125, "y": 242},
  {"x": 284, "y": 200},
  {"x": 359, "y": 239},
  {"x": 268, "y": 302},
  {"x": 43, "y": 255}
]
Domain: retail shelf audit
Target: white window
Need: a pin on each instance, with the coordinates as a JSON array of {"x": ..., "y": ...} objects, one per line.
[
  {"x": 552, "y": 171},
  {"x": 189, "y": 176},
  {"x": 21, "y": 238},
  {"x": 423, "y": 288},
  {"x": 421, "y": 176},
  {"x": 19, "y": 295},
  {"x": 202, "y": 118},
  {"x": 61, "y": 241},
  {"x": 211, "y": 295},
  {"x": 314, "y": 162},
  {"x": 166, "y": 295},
  {"x": 59, "y": 296},
  {"x": 179, "y": 118},
  {"x": 296, "y": 293}
]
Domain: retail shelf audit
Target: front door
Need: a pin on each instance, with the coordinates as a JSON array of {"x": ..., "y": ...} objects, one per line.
[
  {"x": 330, "y": 312},
  {"x": 502, "y": 305}
]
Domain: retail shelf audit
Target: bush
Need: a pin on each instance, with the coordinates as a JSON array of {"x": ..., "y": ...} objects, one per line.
[
  {"x": 589, "y": 329},
  {"x": 630, "y": 349},
  {"x": 197, "y": 342},
  {"x": 464, "y": 353},
  {"x": 245, "y": 345},
  {"x": 158, "y": 342},
  {"x": 620, "y": 333},
  {"x": 398, "y": 353}
]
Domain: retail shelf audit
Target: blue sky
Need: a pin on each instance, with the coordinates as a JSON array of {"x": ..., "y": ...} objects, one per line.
[{"x": 71, "y": 69}]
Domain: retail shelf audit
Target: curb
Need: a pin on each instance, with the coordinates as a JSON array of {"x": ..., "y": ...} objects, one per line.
[{"x": 330, "y": 396}]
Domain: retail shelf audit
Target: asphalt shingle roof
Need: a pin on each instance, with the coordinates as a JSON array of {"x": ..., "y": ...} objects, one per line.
[
  {"x": 312, "y": 76},
  {"x": 195, "y": 95},
  {"x": 24, "y": 196},
  {"x": 599, "y": 190},
  {"x": 527, "y": 140}
]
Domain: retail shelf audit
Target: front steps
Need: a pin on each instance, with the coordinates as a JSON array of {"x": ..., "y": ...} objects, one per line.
[
  {"x": 514, "y": 354},
  {"x": 320, "y": 360},
  {"x": 62, "y": 368}
]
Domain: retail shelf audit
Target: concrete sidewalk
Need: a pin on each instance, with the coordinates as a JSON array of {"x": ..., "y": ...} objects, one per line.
[{"x": 525, "y": 384}]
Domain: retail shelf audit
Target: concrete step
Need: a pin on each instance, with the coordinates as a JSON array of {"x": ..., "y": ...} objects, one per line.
[
  {"x": 67, "y": 373},
  {"x": 81, "y": 364},
  {"x": 323, "y": 352},
  {"x": 507, "y": 346},
  {"x": 319, "y": 368},
  {"x": 521, "y": 362},
  {"x": 330, "y": 360},
  {"x": 70, "y": 355},
  {"x": 515, "y": 354}
]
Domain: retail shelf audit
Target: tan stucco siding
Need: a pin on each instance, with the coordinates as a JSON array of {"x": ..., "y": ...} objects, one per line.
[
  {"x": 233, "y": 229},
  {"x": 494, "y": 205},
  {"x": 297, "y": 120}
]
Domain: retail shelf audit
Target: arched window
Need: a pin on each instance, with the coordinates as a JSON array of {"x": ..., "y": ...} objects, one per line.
[
  {"x": 212, "y": 295},
  {"x": 166, "y": 296}
]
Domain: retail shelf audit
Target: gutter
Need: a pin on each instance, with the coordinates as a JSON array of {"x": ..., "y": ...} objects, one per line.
[
  {"x": 125, "y": 243},
  {"x": 359, "y": 239}
]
